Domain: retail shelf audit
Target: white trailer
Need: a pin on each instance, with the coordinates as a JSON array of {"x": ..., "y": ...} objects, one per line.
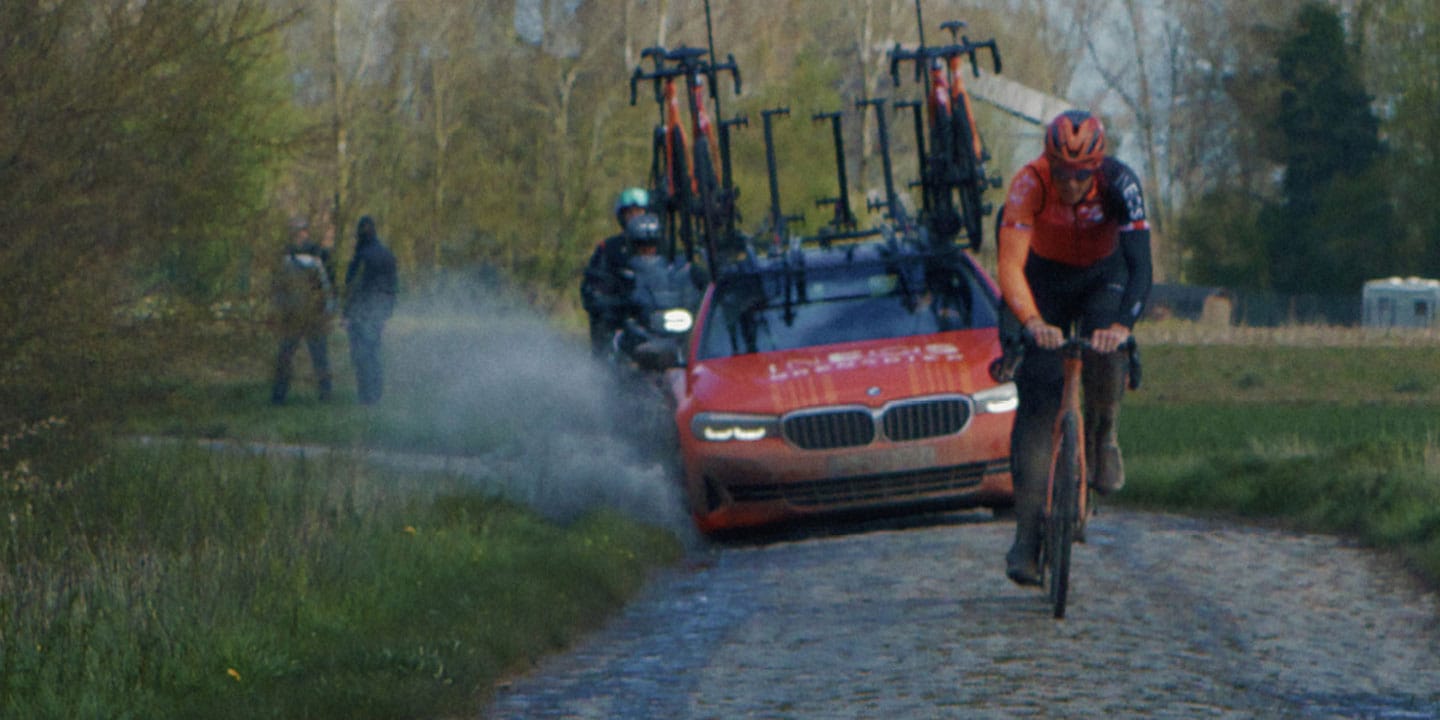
[{"x": 1401, "y": 303}]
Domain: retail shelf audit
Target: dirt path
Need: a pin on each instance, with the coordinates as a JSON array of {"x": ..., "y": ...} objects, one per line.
[{"x": 1169, "y": 618}]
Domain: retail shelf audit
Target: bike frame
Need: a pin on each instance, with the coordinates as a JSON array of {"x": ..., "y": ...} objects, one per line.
[
  {"x": 684, "y": 165},
  {"x": 957, "y": 155},
  {"x": 1073, "y": 364},
  {"x": 959, "y": 96},
  {"x": 677, "y": 178},
  {"x": 1066, "y": 492},
  {"x": 1068, "y": 499}
]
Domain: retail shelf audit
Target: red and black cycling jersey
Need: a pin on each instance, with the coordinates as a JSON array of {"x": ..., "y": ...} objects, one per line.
[{"x": 1109, "y": 218}]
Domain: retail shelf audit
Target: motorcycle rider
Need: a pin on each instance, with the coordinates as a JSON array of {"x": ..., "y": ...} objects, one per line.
[
  {"x": 604, "y": 292},
  {"x": 643, "y": 232}
]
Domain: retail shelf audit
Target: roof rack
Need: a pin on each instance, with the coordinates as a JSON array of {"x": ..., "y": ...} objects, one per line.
[{"x": 776, "y": 242}]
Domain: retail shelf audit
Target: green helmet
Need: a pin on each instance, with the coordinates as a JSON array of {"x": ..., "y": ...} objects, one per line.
[{"x": 630, "y": 198}]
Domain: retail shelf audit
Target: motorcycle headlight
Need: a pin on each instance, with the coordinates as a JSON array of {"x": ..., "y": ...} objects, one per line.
[
  {"x": 730, "y": 427},
  {"x": 1002, "y": 398},
  {"x": 677, "y": 320}
]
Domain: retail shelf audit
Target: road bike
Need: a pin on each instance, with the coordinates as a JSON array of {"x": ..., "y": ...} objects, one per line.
[
  {"x": 954, "y": 166},
  {"x": 1067, "y": 490},
  {"x": 690, "y": 169},
  {"x": 1069, "y": 500}
]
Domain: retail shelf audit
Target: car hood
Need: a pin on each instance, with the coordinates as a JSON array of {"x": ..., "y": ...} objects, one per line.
[{"x": 868, "y": 373}]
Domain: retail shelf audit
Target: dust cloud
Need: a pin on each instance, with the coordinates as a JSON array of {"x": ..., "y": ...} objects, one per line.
[{"x": 554, "y": 430}]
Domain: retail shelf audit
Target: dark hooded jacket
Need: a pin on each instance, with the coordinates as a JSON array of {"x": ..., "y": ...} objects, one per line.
[{"x": 371, "y": 281}]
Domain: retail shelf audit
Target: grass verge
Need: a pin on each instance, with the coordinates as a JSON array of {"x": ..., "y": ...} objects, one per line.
[
  {"x": 1342, "y": 440},
  {"x": 180, "y": 583}
]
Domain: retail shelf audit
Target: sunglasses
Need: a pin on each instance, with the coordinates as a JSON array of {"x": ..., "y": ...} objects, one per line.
[{"x": 1063, "y": 173}]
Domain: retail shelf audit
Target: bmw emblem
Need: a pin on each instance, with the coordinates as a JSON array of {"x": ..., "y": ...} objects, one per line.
[{"x": 873, "y": 392}]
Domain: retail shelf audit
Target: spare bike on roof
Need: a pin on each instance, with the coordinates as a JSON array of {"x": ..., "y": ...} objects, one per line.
[
  {"x": 683, "y": 169},
  {"x": 955, "y": 162}
]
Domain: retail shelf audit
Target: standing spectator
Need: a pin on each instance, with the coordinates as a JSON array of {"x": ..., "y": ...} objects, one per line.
[
  {"x": 370, "y": 288},
  {"x": 303, "y": 297}
]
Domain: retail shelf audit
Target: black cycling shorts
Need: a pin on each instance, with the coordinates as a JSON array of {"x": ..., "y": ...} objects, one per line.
[{"x": 1067, "y": 295}]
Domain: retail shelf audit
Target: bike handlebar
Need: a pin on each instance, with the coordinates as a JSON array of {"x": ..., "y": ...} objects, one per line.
[
  {"x": 922, "y": 55},
  {"x": 1075, "y": 344},
  {"x": 1074, "y": 341},
  {"x": 688, "y": 62},
  {"x": 987, "y": 45}
]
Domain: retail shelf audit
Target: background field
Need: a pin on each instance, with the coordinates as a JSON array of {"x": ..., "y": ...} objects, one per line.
[{"x": 1320, "y": 429}]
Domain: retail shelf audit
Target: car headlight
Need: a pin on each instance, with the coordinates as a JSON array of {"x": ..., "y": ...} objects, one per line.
[
  {"x": 730, "y": 427},
  {"x": 1002, "y": 398},
  {"x": 676, "y": 320}
]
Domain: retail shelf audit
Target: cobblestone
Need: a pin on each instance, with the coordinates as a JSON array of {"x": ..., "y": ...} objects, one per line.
[{"x": 1169, "y": 618}]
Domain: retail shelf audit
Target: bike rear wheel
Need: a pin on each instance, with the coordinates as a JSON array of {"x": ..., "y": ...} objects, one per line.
[
  {"x": 677, "y": 192},
  {"x": 1064, "y": 512},
  {"x": 971, "y": 180}
]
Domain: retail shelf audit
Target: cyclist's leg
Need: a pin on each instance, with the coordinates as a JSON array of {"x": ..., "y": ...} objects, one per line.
[
  {"x": 1039, "y": 382},
  {"x": 1104, "y": 383}
]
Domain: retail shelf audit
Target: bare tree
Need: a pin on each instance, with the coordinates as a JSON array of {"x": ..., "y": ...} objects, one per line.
[{"x": 1136, "y": 58}]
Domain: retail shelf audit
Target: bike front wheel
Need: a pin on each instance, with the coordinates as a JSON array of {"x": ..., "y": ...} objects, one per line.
[
  {"x": 1064, "y": 512},
  {"x": 971, "y": 183}
]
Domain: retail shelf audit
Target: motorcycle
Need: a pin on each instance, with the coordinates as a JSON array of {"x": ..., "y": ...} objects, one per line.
[{"x": 653, "y": 336}]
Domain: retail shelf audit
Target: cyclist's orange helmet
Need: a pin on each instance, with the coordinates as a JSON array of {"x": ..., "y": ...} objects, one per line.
[{"x": 1075, "y": 138}]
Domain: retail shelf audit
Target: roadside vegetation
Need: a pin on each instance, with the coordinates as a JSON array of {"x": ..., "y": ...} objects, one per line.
[
  {"x": 1314, "y": 429},
  {"x": 179, "y": 582},
  {"x": 286, "y": 570}
]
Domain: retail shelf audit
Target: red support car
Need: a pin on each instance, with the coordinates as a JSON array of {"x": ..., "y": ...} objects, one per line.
[{"x": 843, "y": 378}]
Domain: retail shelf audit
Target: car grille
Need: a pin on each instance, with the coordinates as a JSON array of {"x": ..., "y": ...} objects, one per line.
[
  {"x": 852, "y": 427},
  {"x": 830, "y": 429},
  {"x": 925, "y": 418},
  {"x": 871, "y": 489}
]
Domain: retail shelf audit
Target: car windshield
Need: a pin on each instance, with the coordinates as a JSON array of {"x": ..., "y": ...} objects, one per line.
[{"x": 782, "y": 310}]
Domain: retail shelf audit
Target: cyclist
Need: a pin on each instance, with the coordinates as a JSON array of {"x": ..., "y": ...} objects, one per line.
[
  {"x": 1074, "y": 248},
  {"x": 604, "y": 291}
]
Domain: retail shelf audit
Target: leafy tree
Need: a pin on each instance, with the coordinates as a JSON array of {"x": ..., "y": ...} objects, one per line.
[
  {"x": 1225, "y": 247},
  {"x": 1330, "y": 150},
  {"x": 133, "y": 158},
  {"x": 1402, "y": 44}
]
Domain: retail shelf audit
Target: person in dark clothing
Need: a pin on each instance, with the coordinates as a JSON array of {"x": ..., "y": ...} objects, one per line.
[
  {"x": 604, "y": 291},
  {"x": 371, "y": 284},
  {"x": 303, "y": 298}
]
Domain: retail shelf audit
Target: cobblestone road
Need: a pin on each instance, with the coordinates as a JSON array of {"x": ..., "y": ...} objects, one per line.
[{"x": 1169, "y": 618}]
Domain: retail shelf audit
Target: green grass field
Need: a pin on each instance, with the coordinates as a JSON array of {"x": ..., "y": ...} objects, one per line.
[{"x": 1317, "y": 437}]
